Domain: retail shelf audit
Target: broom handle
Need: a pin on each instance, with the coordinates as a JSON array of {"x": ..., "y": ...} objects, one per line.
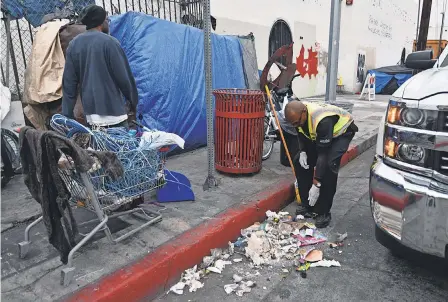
[{"x": 281, "y": 132}]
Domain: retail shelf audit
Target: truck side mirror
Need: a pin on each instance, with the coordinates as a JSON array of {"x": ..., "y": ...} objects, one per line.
[{"x": 421, "y": 60}]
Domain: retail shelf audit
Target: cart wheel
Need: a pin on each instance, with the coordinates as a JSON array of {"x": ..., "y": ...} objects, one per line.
[
  {"x": 67, "y": 275},
  {"x": 24, "y": 248}
]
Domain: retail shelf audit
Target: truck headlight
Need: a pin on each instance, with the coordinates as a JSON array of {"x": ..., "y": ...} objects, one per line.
[
  {"x": 410, "y": 154},
  {"x": 399, "y": 114},
  {"x": 412, "y": 117}
]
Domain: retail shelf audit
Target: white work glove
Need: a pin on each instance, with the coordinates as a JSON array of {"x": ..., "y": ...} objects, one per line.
[
  {"x": 303, "y": 160},
  {"x": 313, "y": 195}
]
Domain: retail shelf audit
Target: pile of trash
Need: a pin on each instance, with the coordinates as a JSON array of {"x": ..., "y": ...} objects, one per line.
[{"x": 281, "y": 240}]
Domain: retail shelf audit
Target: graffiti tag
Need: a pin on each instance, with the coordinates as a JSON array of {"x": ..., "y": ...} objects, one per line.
[
  {"x": 379, "y": 28},
  {"x": 308, "y": 66}
]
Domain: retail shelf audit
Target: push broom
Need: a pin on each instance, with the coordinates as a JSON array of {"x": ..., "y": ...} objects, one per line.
[{"x": 299, "y": 201}]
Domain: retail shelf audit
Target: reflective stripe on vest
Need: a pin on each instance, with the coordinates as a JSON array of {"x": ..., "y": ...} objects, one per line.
[{"x": 318, "y": 111}]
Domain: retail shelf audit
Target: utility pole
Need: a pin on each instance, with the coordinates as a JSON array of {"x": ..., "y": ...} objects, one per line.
[
  {"x": 210, "y": 181},
  {"x": 441, "y": 34},
  {"x": 418, "y": 23},
  {"x": 424, "y": 25},
  {"x": 333, "y": 51}
]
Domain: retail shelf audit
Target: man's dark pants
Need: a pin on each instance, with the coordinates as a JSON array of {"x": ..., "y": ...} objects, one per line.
[{"x": 305, "y": 177}]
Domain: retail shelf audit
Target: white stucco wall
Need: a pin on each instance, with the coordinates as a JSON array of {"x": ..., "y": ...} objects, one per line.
[
  {"x": 435, "y": 24},
  {"x": 379, "y": 29}
]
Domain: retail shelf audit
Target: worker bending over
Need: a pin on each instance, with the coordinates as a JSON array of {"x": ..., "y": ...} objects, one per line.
[{"x": 325, "y": 132}]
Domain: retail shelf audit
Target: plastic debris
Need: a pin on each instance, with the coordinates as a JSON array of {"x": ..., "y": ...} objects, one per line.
[
  {"x": 195, "y": 285},
  {"x": 214, "y": 270},
  {"x": 237, "y": 279},
  {"x": 304, "y": 267},
  {"x": 178, "y": 288},
  {"x": 300, "y": 217},
  {"x": 239, "y": 288},
  {"x": 310, "y": 225},
  {"x": 326, "y": 263},
  {"x": 309, "y": 232},
  {"x": 245, "y": 287},
  {"x": 208, "y": 261},
  {"x": 237, "y": 260},
  {"x": 341, "y": 237},
  {"x": 310, "y": 240},
  {"x": 230, "y": 288},
  {"x": 241, "y": 242},
  {"x": 191, "y": 278},
  {"x": 219, "y": 266}
]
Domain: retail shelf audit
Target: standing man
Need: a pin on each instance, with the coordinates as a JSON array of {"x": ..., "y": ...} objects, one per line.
[
  {"x": 96, "y": 67},
  {"x": 325, "y": 132}
]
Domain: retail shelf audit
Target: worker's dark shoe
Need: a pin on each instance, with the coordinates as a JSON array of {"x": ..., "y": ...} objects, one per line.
[
  {"x": 323, "y": 220},
  {"x": 303, "y": 210}
]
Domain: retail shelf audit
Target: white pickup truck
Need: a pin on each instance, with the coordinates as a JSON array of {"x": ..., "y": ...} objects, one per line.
[{"x": 409, "y": 175}]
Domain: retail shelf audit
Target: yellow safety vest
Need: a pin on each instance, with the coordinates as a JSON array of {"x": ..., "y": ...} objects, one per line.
[{"x": 318, "y": 111}]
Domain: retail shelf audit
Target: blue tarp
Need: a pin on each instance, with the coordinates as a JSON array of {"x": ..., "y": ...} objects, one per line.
[
  {"x": 34, "y": 11},
  {"x": 384, "y": 75},
  {"x": 167, "y": 60}
]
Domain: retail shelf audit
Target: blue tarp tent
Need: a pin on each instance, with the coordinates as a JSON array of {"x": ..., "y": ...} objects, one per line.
[
  {"x": 167, "y": 60},
  {"x": 389, "y": 78}
]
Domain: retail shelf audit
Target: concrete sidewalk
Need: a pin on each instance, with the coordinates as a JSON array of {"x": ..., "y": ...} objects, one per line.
[{"x": 36, "y": 278}]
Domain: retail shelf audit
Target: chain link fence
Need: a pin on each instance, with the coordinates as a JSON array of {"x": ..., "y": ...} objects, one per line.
[{"x": 20, "y": 32}]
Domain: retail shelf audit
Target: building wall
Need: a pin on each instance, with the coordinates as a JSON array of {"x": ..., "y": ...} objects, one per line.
[
  {"x": 435, "y": 24},
  {"x": 373, "y": 33}
]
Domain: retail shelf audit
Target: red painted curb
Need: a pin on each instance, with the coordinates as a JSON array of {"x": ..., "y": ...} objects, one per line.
[
  {"x": 155, "y": 273},
  {"x": 351, "y": 154}
]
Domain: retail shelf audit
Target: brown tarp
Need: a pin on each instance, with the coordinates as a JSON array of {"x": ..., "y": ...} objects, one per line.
[
  {"x": 43, "y": 77},
  {"x": 43, "y": 83}
]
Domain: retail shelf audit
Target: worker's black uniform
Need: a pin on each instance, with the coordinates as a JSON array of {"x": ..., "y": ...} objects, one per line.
[{"x": 325, "y": 154}]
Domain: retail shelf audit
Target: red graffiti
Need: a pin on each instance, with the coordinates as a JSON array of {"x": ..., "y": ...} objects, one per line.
[{"x": 307, "y": 66}]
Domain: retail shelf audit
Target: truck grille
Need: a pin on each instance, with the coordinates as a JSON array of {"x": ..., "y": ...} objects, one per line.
[
  {"x": 443, "y": 121},
  {"x": 442, "y": 163}
]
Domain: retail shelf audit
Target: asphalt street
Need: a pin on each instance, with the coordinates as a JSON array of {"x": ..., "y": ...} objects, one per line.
[{"x": 369, "y": 272}]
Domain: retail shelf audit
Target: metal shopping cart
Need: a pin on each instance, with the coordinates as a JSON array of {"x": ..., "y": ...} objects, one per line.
[{"x": 97, "y": 192}]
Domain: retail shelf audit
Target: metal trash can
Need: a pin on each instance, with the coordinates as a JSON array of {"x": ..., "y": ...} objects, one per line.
[{"x": 239, "y": 124}]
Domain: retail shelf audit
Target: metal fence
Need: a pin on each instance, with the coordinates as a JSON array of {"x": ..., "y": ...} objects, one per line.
[{"x": 20, "y": 33}]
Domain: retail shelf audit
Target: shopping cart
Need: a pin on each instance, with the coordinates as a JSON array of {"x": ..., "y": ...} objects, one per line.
[{"x": 97, "y": 192}]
